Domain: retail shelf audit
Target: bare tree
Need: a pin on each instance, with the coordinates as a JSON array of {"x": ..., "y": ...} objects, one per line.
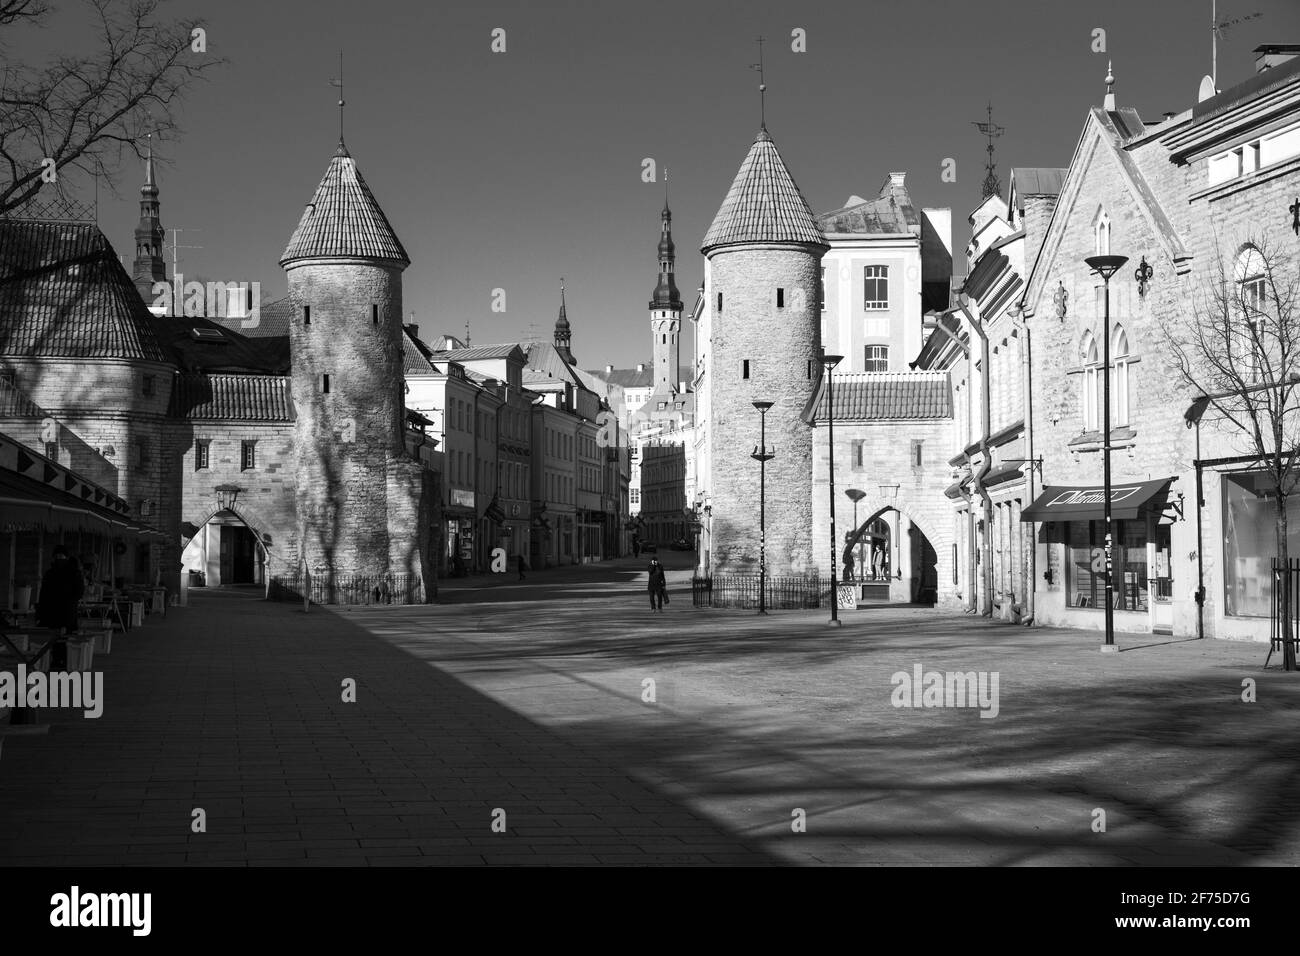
[
  {"x": 1240, "y": 348},
  {"x": 86, "y": 111}
]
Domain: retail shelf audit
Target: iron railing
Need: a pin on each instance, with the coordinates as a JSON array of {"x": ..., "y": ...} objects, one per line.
[
  {"x": 1286, "y": 606},
  {"x": 783, "y": 592},
  {"x": 350, "y": 588}
]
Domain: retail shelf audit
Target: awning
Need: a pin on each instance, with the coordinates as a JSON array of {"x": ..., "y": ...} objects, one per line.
[
  {"x": 1075, "y": 503},
  {"x": 25, "y": 502}
]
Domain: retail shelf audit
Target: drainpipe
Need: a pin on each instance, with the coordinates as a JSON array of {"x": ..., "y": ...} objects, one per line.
[
  {"x": 986, "y": 600},
  {"x": 1027, "y": 384}
]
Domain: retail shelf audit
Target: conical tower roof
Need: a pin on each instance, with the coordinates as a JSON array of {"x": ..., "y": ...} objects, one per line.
[
  {"x": 344, "y": 220},
  {"x": 763, "y": 204}
]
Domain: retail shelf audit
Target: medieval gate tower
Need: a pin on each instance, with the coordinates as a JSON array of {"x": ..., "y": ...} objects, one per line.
[
  {"x": 764, "y": 251},
  {"x": 358, "y": 492}
]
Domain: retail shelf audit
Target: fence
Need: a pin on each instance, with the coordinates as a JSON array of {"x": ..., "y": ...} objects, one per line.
[
  {"x": 1286, "y": 605},
  {"x": 783, "y": 592},
  {"x": 351, "y": 588}
]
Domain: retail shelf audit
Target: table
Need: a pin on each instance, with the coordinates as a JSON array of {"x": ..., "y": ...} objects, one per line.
[{"x": 101, "y": 611}]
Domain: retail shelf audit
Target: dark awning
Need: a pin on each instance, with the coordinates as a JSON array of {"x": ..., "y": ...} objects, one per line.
[{"x": 1079, "y": 503}]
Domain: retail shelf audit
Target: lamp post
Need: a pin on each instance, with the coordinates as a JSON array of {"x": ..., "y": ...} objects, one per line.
[
  {"x": 1107, "y": 266},
  {"x": 856, "y": 495},
  {"x": 829, "y": 362},
  {"x": 762, "y": 455}
]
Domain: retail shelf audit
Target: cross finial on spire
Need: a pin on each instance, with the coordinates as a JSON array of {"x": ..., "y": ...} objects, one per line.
[
  {"x": 762, "y": 83},
  {"x": 338, "y": 82},
  {"x": 1110, "y": 87}
]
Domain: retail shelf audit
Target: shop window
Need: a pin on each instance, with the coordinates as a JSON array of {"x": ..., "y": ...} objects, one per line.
[
  {"x": 1250, "y": 543},
  {"x": 1086, "y": 565}
]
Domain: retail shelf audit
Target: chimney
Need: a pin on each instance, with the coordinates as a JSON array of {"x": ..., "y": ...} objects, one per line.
[
  {"x": 640, "y": 366},
  {"x": 1274, "y": 54},
  {"x": 412, "y": 330},
  {"x": 609, "y": 370}
]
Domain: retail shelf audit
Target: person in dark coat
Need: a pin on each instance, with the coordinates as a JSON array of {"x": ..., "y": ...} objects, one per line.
[
  {"x": 657, "y": 583},
  {"x": 522, "y": 567},
  {"x": 61, "y": 589}
]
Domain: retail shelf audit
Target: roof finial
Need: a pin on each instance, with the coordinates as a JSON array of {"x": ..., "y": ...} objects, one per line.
[
  {"x": 338, "y": 82},
  {"x": 991, "y": 130},
  {"x": 466, "y": 330},
  {"x": 1110, "y": 88},
  {"x": 762, "y": 84},
  {"x": 148, "y": 163}
]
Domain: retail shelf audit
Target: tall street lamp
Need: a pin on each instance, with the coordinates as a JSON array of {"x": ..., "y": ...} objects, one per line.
[
  {"x": 762, "y": 454},
  {"x": 829, "y": 362},
  {"x": 1107, "y": 266},
  {"x": 856, "y": 495}
]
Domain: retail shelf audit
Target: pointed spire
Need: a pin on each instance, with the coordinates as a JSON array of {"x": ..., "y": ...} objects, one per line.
[
  {"x": 665, "y": 294},
  {"x": 1110, "y": 88},
  {"x": 149, "y": 266},
  {"x": 562, "y": 332}
]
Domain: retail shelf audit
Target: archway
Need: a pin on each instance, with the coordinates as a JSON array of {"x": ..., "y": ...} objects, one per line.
[
  {"x": 224, "y": 551},
  {"x": 891, "y": 549}
]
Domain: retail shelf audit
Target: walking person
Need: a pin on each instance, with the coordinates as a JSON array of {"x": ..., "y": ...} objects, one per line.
[
  {"x": 522, "y": 567},
  {"x": 657, "y": 583},
  {"x": 61, "y": 589}
]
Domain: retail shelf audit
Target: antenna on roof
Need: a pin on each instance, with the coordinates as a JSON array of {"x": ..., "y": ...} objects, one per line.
[
  {"x": 1217, "y": 29},
  {"x": 467, "y": 333},
  {"x": 991, "y": 130},
  {"x": 338, "y": 82},
  {"x": 176, "y": 234},
  {"x": 762, "y": 83}
]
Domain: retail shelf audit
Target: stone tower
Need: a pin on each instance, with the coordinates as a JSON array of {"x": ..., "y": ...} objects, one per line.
[
  {"x": 358, "y": 492},
  {"x": 563, "y": 334},
  {"x": 149, "y": 266},
  {"x": 666, "y": 311},
  {"x": 764, "y": 254}
]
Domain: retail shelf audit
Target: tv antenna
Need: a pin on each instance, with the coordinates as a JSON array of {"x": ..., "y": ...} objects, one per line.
[
  {"x": 1217, "y": 29},
  {"x": 992, "y": 131}
]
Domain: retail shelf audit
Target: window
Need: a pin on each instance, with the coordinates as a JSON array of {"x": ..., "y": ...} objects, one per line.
[
  {"x": 52, "y": 450},
  {"x": 858, "y": 454},
  {"x": 374, "y": 313},
  {"x": 306, "y": 315},
  {"x": 875, "y": 287},
  {"x": 1102, "y": 234},
  {"x": 1090, "y": 397},
  {"x": 876, "y": 358},
  {"x": 719, "y": 303},
  {"x": 201, "y": 449},
  {"x": 1119, "y": 380},
  {"x": 780, "y": 298},
  {"x": 744, "y": 369},
  {"x": 325, "y": 383},
  {"x": 1086, "y": 565},
  {"x": 823, "y": 292},
  {"x": 1250, "y": 543},
  {"x": 147, "y": 386},
  {"x": 916, "y": 453},
  {"x": 248, "y": 455},
  {"x": 1250, "y": 311}
]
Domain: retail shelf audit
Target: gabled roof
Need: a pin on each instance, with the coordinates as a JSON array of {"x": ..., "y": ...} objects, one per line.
[
  {"x": 344, "y": 220},
  {"x": 64, "y": 293},
  {"x": 891, "y": 212},
  {"x": 764, "y": 204},
  {"x": 480, "y": 353},
  {"x": 273, "y": 320},
  {"x": 638, "y": 378},
  {"x": 886, "y": 396},
  {"x": 237, "y": 398},
  {"x": 219, "y": 348},
  {"x": 417, "y": 357}
]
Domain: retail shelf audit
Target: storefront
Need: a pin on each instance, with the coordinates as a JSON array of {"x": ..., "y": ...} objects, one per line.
[
  {"x": 460, "y": 521},
  {"x": 1072, "y": 542}
]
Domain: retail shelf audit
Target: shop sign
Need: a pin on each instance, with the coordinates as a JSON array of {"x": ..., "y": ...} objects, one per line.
[{"x": 461, "y": 497}]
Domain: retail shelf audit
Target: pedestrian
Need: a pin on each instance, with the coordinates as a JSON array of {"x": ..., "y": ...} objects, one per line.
[
  {"x": 636, "y": 548},
  {"x": 657, "y": 584},
  {"x": 519, "y": 558},
  {"x": 848, "y": 566},
  {"x": 877, "y": 563},
  {"x": 61, "y": 589}
]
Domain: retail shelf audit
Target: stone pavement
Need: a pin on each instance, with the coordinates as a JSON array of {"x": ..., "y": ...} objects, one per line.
[{"x": 532, "y": 698}]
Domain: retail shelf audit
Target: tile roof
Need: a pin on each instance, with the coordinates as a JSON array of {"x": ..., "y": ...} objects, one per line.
[
  {"x": 64, "y": 292},
  {"x": 232, "y": 352},
  {"x": 482, "y": 352},
  {"x": 891, "y": 212},
  {"x": 877, "y": 396},
  {"x": 638, "y": 378},
  {"x": 764, "y": 204},
  {"x": 240, "y": 398},
  {"x": 416, "y": 356},
  {"x": 15, "y": 403},
  {"x": 1038, "y": 181},
  {"x": 273, "y": 320},
  {"x": 343, "y": 219}
]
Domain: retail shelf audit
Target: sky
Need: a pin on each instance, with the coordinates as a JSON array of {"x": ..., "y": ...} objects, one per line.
[{"x": 509, "y": 170}]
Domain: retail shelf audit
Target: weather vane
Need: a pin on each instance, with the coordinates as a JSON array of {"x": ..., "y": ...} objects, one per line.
[
  {"x": 338, "y": 82},
  {"x": 990, "y": 129},
  {"x": 762, "y": 83}
]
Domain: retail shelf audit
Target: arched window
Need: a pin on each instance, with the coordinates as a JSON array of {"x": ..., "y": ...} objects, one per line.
[
  {"x": 1103, "y": 234},
  {"x": 1089, "y": 396},
  {"x": 1249, "y": 311},
  {"x": 1119, "y": 392}
]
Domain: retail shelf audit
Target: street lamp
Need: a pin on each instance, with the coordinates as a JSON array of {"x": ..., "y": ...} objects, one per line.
[
  {"x": 829, "y": 362},
  {"x": 856, "y": 495},
  {"x": 762, "y": 454},
  {"x": 1107, "y": 266}
]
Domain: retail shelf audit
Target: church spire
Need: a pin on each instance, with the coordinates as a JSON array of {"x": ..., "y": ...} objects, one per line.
[
  {"x": 666, "y": 295},
  {"x": 149, "y": 266},
  {"x": 562, "y": 331}
]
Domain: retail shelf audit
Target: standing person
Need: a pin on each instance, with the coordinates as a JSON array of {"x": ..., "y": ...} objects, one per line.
[
  {"x": 61, "y": 589},
  {"x": 636, "y": 547},
  {"x": 848, "y": 566},
  {"x": 522, "y": 567},
  {"x": 877, "y": 563},
  {"x": 657, "y": 583}
]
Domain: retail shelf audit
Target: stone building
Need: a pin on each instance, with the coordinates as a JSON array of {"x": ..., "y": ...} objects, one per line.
[{"x": 1194, "y": 196}]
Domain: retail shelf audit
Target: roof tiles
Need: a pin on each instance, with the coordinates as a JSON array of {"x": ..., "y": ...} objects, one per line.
[
  {"x": 241, "y": 398},
  {"x": 876, "y": 396}
]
